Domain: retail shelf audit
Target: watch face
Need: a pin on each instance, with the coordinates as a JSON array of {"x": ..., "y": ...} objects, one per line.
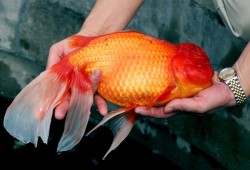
[{"x": 227, "y": 73}]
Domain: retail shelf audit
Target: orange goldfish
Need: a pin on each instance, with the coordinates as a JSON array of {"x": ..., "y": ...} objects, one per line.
[{"x": 137, "y": 70}]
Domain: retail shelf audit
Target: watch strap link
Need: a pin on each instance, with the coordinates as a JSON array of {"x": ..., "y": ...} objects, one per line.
[{"x": 237, "y": 90}]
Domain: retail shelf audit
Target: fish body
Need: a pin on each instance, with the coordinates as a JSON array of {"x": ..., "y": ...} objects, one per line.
[{"x": 137, "y": 70}]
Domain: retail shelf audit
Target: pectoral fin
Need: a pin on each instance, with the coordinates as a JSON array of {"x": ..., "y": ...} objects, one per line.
[{"x": 162, "y": 97}]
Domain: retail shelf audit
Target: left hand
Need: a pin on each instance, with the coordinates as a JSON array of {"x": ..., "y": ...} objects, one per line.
[
  {"x": 215, "y": 97},
  {"x": 56, "y": 54}
]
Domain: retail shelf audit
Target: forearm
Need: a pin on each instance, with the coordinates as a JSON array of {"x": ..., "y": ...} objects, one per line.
[
  {"x": 109, "y": 16},
  {"x": 243, "y": 69}
]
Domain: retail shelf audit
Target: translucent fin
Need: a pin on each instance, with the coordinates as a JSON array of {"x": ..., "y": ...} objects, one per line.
[
  {"x": 78, "y": 115},
  {"x": 121, "y": 125},
  {"x": 109, "y": 116},
  {"x": 29, "y": 115}
]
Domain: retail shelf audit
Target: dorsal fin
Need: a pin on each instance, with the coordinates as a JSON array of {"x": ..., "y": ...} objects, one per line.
[{"x": 76, "y": 41}]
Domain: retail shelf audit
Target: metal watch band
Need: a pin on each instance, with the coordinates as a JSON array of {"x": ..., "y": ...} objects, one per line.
[{"x": 237, "y": 90}]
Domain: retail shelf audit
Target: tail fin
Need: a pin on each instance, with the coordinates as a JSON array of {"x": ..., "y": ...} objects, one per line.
[
  {"x": 29, "y": 115},
  {"x": 78, "y": 115},
  {"x": 121, "y": 125}
]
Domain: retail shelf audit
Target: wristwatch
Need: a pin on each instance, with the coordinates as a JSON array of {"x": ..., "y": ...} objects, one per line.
[{"x": 229, "y": 77}]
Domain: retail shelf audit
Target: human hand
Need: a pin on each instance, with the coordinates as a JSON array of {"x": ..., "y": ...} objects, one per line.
[
  {"x": 56, "y": 54},
  {"x": 208, "y": 100}
]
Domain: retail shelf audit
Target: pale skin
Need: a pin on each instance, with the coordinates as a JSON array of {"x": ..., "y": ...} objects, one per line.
[{"x": 105, "y": 18}]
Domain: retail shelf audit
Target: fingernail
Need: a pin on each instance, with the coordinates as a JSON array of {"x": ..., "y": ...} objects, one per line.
[
  {"x": 96, "y": 73},
  {"x": 168, "y": 110},
  {"x": 138, "y": 110}
]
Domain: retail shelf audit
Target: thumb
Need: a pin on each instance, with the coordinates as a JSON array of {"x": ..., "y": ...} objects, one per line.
[
  {"x": 186, "y": 105},
  {"x": 55, "y": 55},
  {"x": 95, "y": 78}
]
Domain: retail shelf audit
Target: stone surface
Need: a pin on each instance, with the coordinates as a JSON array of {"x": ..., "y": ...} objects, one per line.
[
  {"x": 44, "y": 24},
  {"x": 216, "y": 141},
  {"x": 9, "y": 20},
  {"x": 16, "y": 72}
]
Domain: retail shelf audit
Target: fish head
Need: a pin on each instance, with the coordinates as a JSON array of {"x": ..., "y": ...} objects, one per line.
[{"x": 192, "y": 68}]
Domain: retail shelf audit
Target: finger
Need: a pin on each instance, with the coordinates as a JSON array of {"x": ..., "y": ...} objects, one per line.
[
  {"x": 215, "y": 109},
  {"x": 95, "y": 78},
  {"x": 156, "y": 112},
  {"x": 56, "y": 54},
  {"x": 215, "y": 78},
  {"x": 101, "y": 105},
  {"x": 186, "y": 104},
  {"x": 61, "y": 110}
]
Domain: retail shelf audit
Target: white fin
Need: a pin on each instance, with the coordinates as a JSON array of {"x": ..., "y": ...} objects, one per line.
[
  {"x": 109, "y": 116},
  {"x": 77, "y": 116},
  {"x": 29, "y": 115},
  {"x": 121, "y": 125}
]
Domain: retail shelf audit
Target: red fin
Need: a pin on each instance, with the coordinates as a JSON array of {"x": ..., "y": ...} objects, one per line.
[
  {"x": 79, "y": 40},
  {"x": 163, "y": 96}
]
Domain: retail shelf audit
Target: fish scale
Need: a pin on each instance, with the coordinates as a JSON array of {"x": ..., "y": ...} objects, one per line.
[{"x": 134, "y": 70}]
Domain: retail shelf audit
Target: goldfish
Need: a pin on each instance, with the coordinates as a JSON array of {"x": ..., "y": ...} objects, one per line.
[{"x": 137, "y": 70}]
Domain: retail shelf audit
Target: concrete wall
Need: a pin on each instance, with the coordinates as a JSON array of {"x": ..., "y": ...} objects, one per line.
[{"x": 30, "y": 27}]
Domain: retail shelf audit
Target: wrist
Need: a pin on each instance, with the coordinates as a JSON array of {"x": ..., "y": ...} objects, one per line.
[
  {"x": 229, "y": 76},
  {"x": 95, "y": 30},
  {"x": 88, "y": 32},
  {"x": 241, "y": 79},
  {"x": 230, "y": 98}
]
